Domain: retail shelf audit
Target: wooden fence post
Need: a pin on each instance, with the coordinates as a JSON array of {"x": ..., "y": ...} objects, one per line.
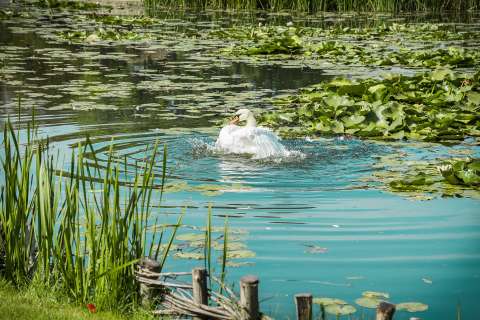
[
  {"x": 303, "y": 303},
  {"x": 148, "y": 293},
  {"x": 199, "y": 284},
  {"x": 385, "y": 311},
  {"x": 249, "y": 296}
]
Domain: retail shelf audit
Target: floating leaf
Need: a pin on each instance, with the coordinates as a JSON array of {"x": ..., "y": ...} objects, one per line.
[
  {"x": 376, "y": 295},
  {"x": 337, "y": 309},
  {"x": 412, "y": 307},
  {"x": 328, "y": 301},
  {"x": 189, "y": 255},
  {"x": 367, "y": 302}
]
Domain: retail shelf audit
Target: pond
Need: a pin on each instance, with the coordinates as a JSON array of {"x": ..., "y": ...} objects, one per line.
[{"x": 323, "y": 222}]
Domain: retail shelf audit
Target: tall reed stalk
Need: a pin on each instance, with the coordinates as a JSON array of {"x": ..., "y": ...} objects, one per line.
[
  {"x": 55, "y": 227},
  {"x": 320, "y": 5}
]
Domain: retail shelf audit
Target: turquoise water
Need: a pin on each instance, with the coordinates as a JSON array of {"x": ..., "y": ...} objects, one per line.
[{"x": 313, "y": 223}]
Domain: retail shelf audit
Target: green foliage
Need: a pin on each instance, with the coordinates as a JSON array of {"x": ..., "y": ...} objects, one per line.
[
  {"x": 67, "y": 4},
  {"x": 55, "y": 229},
  {"x": 40, "y": 303},
  {"x": 434, "y": 106},
  {"x": 102, "y": 34},
  {"x": 319, "y": 5},
  {"x": 462, "y": 172},
  {"x": 301, "y": 43}
]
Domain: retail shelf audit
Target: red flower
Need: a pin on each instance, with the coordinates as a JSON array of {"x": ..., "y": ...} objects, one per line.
[{"x": 91, "y": 307}]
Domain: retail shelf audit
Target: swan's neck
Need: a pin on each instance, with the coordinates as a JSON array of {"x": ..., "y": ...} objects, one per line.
[{"x": 251, "y": 122}]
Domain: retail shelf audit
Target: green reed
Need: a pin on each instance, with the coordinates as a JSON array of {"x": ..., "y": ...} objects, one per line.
[
  {"x": 56, "y": 227},
  {"x": 320, "y": 5}
]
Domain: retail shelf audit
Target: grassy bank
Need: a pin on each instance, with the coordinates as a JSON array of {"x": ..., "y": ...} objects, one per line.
[
  {"x": 79, "y": 231},
  {"x": 322, "y": 5},
  {"x": 37, "y": 303}
]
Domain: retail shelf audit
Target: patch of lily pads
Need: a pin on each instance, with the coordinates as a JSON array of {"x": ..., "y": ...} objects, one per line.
[
  {"x": 278, "y": 42},
  {"x": 435, "y": 106},
  {"x": 102, "y": 34},
  {"x": 68, "y": 4},
  {"x": 424, "y": 180},
  {"x": 369, "y": 300}
]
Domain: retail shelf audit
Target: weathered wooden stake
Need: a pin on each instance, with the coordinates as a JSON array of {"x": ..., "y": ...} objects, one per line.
[
  {"x": 199, "y": 283},
  {"x": 149, "y": 293},
  {"x": 303, "y": 302},
  {"x": 385, "y": 311},
  {"x": 249, "y": 296}
]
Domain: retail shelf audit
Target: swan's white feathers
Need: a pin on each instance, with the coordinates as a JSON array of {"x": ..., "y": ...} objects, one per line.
[{"x": 257, "y": 141}]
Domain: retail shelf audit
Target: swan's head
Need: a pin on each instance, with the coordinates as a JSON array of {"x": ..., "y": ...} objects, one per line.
[{"x": 244, "y": 115}]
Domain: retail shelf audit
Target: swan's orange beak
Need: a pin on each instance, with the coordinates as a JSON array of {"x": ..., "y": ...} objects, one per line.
[{"x": 235, "y": 120}]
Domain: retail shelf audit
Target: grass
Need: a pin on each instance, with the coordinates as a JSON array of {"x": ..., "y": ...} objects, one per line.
[
  {"x": 321, "y": 5},
  {"x": 39, "y": 303},
  {"x": 83, "y": 244}
]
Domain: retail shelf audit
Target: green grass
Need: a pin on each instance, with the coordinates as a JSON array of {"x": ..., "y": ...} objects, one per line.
[
  {"x": 37, "y": 303},
  {"x": 83, "y": 243},
  {"x": 321, "y": 5}
]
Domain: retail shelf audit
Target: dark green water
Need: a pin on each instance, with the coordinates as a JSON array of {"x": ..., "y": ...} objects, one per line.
[{"x": 309, "y": 225}]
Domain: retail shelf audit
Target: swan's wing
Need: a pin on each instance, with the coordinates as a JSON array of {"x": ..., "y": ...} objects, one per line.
[{"x": 226, "y": 136}]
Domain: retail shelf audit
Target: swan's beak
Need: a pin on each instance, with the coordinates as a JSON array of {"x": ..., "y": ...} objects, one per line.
[{"x": 235, "y": 120}]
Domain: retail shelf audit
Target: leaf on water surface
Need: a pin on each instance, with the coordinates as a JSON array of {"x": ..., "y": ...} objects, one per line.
[
  {"x": 427, "y": 280},
  {"x": 240, "y": 254},
  {"x": 368, "y": 302},
  {"x": 189, "y": 255},
  {"x": 191, "y": 237},
  {"x": 325, "y": 301},
  {"x": 337, "y": 309},
  {"x": 376, "y": 295},
  {"x": 412, "y": 307}
]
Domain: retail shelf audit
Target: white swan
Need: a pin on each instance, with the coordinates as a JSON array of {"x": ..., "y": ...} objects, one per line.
[{"x": 249, "y": 139}]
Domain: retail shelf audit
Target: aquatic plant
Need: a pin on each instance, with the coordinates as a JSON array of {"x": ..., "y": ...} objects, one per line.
[
  {"x": 122, "y": 20},
  {"x": 433, "y": 106},
  {"x": 68, "y": 4},
  {"x": 57, "y": 228},
  {"x": 102, "y": 34},
  {"x": 319, "y": 5},
  {"x": 277, "y": 42}
]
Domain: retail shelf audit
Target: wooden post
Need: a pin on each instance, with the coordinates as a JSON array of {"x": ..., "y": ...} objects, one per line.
[
  {"x": 385, "y": 311},
  {"x": 249, "y": 296},
  {"x": 303, "y": 302},
  {"x": 199, "y": 284},
  {"x": 149, "y": 293}
]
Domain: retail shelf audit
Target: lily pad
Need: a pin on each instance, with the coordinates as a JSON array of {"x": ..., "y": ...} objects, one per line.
[
  {"x": 189, "y": 255},
  {"x": 337, "y": 309},
  {"x": 325, "y": 301},
  {"x": 412, "y": 307},
  {"x": 376, "y": 295},
  {"x": 368, "y": 302}
]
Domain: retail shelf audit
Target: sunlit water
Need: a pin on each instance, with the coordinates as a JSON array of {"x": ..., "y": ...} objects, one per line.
[{"x": 311, "y": 222}]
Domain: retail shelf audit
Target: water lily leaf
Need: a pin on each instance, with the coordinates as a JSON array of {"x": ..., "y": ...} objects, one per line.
[
  {"x": 474, "y": 97},
  {"x": 240, "y": 254},
  {"x": 412, "y": 307},
  {"x": 367, "y": 302},
  {"x": 336, "y": 101},
  {"x": 376, "y": 295},
  {"x": 441, "y": 74},
  {"x": 337, "y": 309},
  {"x": 191, "y": 237},
  {"x": 189, "y": 255},
  {"x": 327, "y": 301},
  {"x": 352, "y": 120}
]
